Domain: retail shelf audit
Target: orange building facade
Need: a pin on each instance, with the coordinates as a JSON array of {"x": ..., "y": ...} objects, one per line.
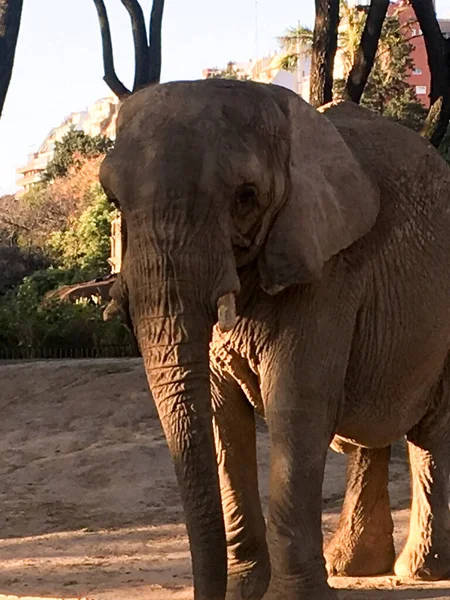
[{"x": 420, "y": 76}]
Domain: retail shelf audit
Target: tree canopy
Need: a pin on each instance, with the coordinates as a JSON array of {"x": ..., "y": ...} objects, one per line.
[
  {"x": 387, "y": 90},
  {"x": 74, "y": 147}
]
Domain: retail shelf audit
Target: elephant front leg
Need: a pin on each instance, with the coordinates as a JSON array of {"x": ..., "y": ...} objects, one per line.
[
  {"x": 426, "y": 555},
  {"x": 235, "y": 437},
  {"x": 300, "y": 430},
  {"x": 363, "y": 544}
]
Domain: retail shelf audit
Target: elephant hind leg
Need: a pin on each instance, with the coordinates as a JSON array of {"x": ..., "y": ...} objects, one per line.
[
  {"x": 363, "y": 543},
  {"x": 426, "y": 555}
]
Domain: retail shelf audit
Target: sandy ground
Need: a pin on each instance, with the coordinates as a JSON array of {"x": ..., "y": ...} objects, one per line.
[{"x": 90, "y": 507}]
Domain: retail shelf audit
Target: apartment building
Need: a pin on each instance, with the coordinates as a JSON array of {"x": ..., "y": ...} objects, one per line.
[
  {"x": 268, "y": 70},
  {"x": 98, "y": 119}
]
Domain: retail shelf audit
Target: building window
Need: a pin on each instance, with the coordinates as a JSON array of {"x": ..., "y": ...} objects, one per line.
[
  {"x": 417, "y": 71},
  {"x": 421, "y": 90}
]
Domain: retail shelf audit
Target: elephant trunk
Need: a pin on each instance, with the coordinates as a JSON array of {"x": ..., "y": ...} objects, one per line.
[{"x": 175, "y": 349}]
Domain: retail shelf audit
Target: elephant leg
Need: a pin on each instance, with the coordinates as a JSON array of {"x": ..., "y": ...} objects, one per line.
[
  {"x": 426, "y": 555},
  {"x": 363, "y": 543},
  {"x": 235, "y": 437},
  {"x": 298, "y": 444}
]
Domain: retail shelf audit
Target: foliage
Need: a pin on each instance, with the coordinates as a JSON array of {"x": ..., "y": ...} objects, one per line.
[
  {"x": 32, "y": 218},
  {"x": 84, "y": 242},
  {"x": 65, "y": 223},
  {"x": 295, "y": 41},
  {"x": 39, "y": 283},
  {"x": 17, "y": 263},
  {"x": 388, "y": 91},
  {"x": 349, "y": 36},
  {"x": 71, "y": 150},
  {"x": 25, "y": 322},
  {"x": 230, "y": 72}
]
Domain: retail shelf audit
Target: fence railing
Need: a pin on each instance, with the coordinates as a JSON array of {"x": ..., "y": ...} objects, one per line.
[{"x": 30, "y": 353}]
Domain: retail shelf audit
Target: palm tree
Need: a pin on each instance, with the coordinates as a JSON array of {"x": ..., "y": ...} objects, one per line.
[
  {"x": 298, "y": 40},
  {"x": 351, "y": 29},
  {"x": 295, "y": 41}
]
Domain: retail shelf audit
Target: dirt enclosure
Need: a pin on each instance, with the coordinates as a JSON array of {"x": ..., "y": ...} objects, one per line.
[{"x": 89, "y": 503}]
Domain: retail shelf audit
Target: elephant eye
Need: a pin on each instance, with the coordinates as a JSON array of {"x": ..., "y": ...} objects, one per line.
[{"x": 246, "y": 196}]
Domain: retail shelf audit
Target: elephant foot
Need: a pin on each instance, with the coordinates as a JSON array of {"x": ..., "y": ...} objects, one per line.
[
  {"x": 312, "y": 585},
  {"x": 322, "y": 593},
  {"x": 366, "y": 556},
  {"x": 422, "y": 562},
  {"x": 249, "y": 584}
]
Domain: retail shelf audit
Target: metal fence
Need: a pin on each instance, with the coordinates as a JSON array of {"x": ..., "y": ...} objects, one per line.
[{"x": 30, "y": 353}]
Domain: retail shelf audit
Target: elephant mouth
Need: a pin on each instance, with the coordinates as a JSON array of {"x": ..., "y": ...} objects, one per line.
[{"x": 226, "y": 312}]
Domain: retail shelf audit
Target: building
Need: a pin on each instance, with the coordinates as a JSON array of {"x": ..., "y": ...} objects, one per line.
[
  {"x": 98, "y": 119},
  {"x": 420, "y": 78},
  {"x": 268, "y": 70}
]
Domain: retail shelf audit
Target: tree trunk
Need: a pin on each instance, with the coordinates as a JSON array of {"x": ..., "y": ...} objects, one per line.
[
  {"x": 324, "y": 51},
  {"x": 367, "y": 50},
  {"x": 438, "y": 60},
  {"x": 10, "y": 15}
]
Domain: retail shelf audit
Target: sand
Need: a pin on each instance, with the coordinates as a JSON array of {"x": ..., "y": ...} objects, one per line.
[{"x": 90, "y": 506}]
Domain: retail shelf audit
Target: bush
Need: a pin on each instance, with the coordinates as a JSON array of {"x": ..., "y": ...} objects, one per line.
[
  {"x": 27, "y": 322},
  {"x": 17, "y": 263},
  {"x": 85, "y": 242}
]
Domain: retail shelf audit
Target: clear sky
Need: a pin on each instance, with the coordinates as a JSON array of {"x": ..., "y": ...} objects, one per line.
[{"x": 58, "y": 67}]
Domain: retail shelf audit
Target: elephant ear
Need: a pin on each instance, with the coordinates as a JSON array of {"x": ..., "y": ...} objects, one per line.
[{"x": 331, "y": 202}]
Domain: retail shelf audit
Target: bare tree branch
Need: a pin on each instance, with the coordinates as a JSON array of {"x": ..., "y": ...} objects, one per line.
[
  {"x": 324, "y": 51},
  {"x": 366, "y": 52},
  {"x": 110, "y": 76},
  {"x": 141, "y": 51},
  {"x": 154, "y": 72},
  {"x": 438, "y": 60},
  {"x": 10, "y": 15}
]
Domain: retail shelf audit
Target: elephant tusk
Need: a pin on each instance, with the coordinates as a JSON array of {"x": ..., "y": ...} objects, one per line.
[
  {"x": 226, "y": 312},
  {"x": 112, "y": 309}
]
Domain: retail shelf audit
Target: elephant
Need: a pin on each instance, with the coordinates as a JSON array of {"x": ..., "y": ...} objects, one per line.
[{"x": 292, "y": 263}]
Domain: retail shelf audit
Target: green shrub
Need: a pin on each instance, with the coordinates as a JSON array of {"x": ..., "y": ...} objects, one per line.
[{"x": 27, "y": 322}]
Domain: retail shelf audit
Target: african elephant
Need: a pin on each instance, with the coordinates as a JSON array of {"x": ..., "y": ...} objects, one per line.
[{"x": 331, "y": 232}]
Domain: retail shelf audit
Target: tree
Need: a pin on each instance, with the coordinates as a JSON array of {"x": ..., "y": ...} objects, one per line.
[
  {"x": 29, "y": 219},
  {"x": 364, "y": 57},
  {"x": 72, "y": 149},
  {"x": 324, "y": 51},
  {"x": 17, "y": 263},
  {"x": 230, "y": 72},
  {"x": 10, "y": 16},
  {"x": 147, "y": 54},
  {"x": 388, "y": 91},
  {"x": 294, "y": 42},
  {"x": 84, "y": 242}
]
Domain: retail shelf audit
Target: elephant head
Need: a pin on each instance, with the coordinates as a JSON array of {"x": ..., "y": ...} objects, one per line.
[{"x": 212, "y": 176}]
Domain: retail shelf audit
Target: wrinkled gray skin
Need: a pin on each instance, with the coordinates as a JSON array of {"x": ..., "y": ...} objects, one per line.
[{"x": 333, "y": 232}]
